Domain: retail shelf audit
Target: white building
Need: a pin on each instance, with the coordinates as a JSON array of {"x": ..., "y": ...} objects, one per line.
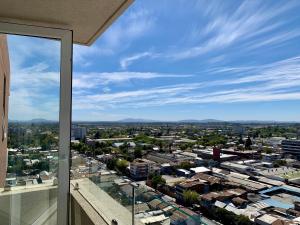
[{"x": 78, "y": 132}]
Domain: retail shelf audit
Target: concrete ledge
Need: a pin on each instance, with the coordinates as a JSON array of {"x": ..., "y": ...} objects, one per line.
[{"x": 82, "y": 213}]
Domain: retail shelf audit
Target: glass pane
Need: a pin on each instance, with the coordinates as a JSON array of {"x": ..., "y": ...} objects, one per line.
[{"x": 29, "y": 82}]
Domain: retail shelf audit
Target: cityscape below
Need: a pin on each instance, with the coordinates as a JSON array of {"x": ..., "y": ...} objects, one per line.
[{"x": 185, "y": 172}]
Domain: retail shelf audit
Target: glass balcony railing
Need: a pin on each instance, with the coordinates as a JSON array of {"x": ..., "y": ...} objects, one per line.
[
  {"x": 119, "y": 199},
  {"x": 29, "y": 146}
]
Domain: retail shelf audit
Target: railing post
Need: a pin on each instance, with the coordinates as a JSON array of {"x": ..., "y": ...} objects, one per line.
[
  {"x": 134, "y": 185},
  {"x": 133, "y": 204}
]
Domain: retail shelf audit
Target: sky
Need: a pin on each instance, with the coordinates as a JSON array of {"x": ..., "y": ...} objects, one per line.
[{"x": 171, "y": 60}]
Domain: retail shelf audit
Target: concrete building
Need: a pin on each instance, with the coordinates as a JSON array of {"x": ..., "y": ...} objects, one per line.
[
  {"x": 196, "y": 185},
  {"x": 169, "y": 158},
  {"x": 291, "y": 147},
  {"x": 270, "y": 157},
  {"x": 4, "y": 90},
  {"x": 78, "y": 132},
  {"x": 209, "y": 154},
  {"x": 141, "y": 168}
]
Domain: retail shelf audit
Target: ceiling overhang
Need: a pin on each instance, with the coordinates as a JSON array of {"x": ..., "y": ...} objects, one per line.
[{"x": 86, "y": 18}]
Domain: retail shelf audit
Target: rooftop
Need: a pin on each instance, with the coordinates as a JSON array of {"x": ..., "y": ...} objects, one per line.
[{"x": 200, "y": 169}]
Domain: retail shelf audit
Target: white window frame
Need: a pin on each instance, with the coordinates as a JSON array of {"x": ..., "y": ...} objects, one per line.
[{"x": 65, "y": 110}]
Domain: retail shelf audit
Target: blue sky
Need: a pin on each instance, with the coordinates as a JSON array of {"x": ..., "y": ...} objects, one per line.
[{"x": 172, "y": 60}]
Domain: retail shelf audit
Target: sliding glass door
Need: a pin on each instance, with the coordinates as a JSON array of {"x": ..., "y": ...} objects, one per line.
[{"x": 35, "y": 108}]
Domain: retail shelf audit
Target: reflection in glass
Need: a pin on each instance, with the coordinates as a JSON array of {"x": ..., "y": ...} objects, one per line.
[{"x": 29, "y": 129}]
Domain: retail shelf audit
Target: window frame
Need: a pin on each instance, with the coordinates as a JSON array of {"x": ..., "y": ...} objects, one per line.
[{"x": 65, "y": 105}]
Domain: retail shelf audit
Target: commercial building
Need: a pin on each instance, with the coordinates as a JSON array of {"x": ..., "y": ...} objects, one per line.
[
  {"x": 4, "y": 90},
  {"x": 169, "y": 158},
  {"x": 214, "y": 155},
  {"x": 283, "y": 196},
  {"x": 248, "y": 154},
  {"x": 291, "y": 147},
  {"x": 236, "y": 167}
]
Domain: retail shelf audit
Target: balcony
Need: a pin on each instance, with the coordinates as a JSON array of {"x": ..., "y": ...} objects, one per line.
[
  {"x": 109, "y": 191},
  {"x": 59, "y": 170}
]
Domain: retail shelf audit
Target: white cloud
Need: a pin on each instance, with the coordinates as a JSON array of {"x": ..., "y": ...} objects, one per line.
[
  {"x": 34, "y": 93},
  {"x": 249, "y": 20},
  {"x": 91, "y": 80},
  {"x": 22, "y": 49},
  {"x": 271, "y": 82},
  {"x": 134, "y": 24},
  {"x": 125, "y": 62},
  {"x": 82, "y": 54},
  {"x": 247, "y": 26}
]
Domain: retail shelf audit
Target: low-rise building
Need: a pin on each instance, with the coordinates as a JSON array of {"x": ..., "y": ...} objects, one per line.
[
  {"x": 169, "y": 158},
  {"x": 267, "y": 219},
  {"x": 183, "y": 173},
  {"x": 200, "y": 169},
  {"x": 236, "y": 167},
  {"x": 209, "y": 154},
  {"x": 291, "y": 147},
  {"x": 269, "y": 157},
  {"x": 193, "y": 185}
]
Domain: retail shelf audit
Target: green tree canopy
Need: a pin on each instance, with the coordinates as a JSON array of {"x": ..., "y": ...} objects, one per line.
[
  {"x": 190, "y": 197},
  {"x": 157, "y": 180}
]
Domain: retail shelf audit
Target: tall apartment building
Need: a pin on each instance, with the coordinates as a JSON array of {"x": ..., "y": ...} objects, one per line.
[
  {"x": 4, "y": 90},
  {"x": 78, "y": 132},
  {"x": 291, "y": 147}
]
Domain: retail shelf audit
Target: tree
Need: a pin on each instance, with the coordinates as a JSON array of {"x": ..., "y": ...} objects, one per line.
[
  {"x": 229, "y": 218},
  {"x": 243, "y": 220},
  {"x": 248, "y": 143},
  {"x": 157, "y": 180},
  {"x": 212, "y": 139},
  {"x": 138, "y": 153},
  {"x": 121, "y": 165},
  {"x": 185, "y": 165},
  {"x": 124, "y": 147},
  {"x": 190, "y": 197},
  {"x": 241, "y": 141},
  {"x": 184, "y": 146},
  {"x": 111, "y": 164},
  {"x": 267, "y": 150},
  {"x": 279, "y": 163},
  {"x": 42, "y": 165},
  {"x": 97, "y": 135}
]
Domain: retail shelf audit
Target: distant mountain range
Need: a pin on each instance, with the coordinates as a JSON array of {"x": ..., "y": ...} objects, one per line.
[
  {"x": 139, "y": 120},
  {"x": 201, "y": 121},
  {"x": 38, "y": 120},
  {"x": 136, "y": 120}
]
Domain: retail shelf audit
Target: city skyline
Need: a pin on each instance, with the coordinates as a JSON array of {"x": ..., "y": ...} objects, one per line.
[{"x": 226, "y": 61}]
